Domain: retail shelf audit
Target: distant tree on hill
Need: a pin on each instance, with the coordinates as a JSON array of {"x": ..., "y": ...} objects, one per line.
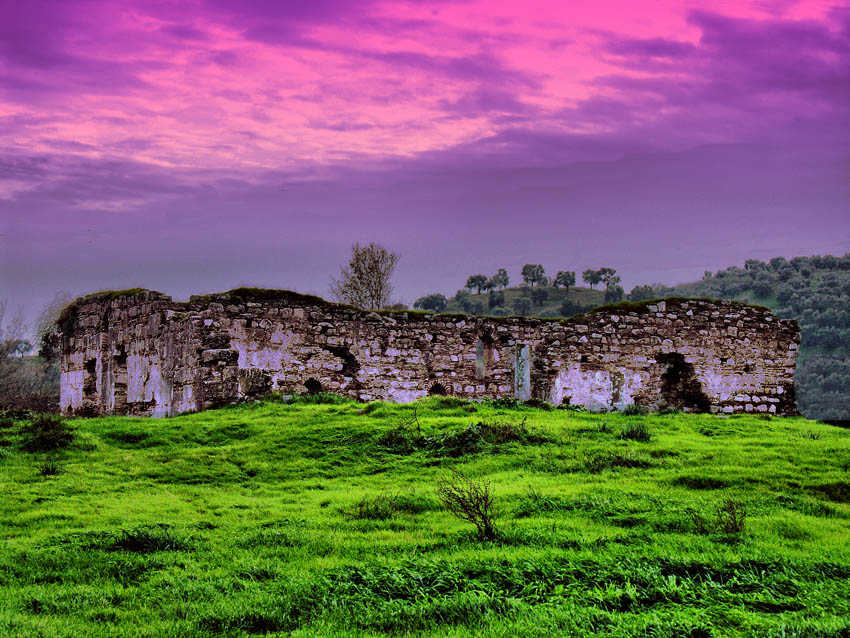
[
  {"x": 21, "y": 347},
  {"x": 570, "y": 308},
  {"x": 460, "y": 295},
  {"x": 501, "y": 279},
  {"x": 435, "y": 302},
  {"x": 365, "y": 280},
  {"x": 522, "y": 306},
  {"x": 707, "y": 275},
  {"x": 565, "y": 278},
  {"x": 614, "y": 293},
  {"x": 763, "y": 285},
  {"x": 539, "y": 296},
  {"x": 476, "y": 281},
  {"x": 533, "y": 274},
  {"x": 754, "y": 265},
  {"x": 641, "y": 293},
  {"x": 591, "y": 277},
  {"x": 608, "y": 276},
  {"x": 496, "y": 299},
  {"x": 473, "y": 306},
  {"x": 778, "y": 263}
]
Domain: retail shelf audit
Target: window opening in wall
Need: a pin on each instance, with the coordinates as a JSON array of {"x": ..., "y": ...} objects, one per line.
[
  {"x": 522, "y": 374},
  {"x": 90, "y": 381},
  {"x": 438, "y": 389},
  {"x": 480, "y": 367},
  {"x": 313, "y": 386},
  {"x": 680, "y": 386},
  {"x": 120, "y": 356}
]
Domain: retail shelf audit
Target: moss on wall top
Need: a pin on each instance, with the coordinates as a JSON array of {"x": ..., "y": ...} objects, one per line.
[{"x": 260, "y": 295}]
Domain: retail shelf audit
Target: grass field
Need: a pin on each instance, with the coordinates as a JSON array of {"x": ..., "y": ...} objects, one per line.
[{"x": 321, "y": 519}]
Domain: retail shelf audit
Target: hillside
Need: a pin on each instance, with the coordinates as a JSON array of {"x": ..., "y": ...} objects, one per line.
[
  {"x": 320, "y": 519},
  {"x": 583, "y": 299},
  {"x": 816, "y": 292}
]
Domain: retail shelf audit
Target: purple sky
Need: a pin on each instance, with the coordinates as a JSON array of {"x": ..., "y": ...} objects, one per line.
[{"x": 195, "y": 146}]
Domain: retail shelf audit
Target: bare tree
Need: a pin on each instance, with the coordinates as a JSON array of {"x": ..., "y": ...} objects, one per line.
[
  {"x": 11, "y": 334},
  {"x": 25, "y": 382},
  {"x": 365, "y": 280},
  {"x": 469, "y": 500},
  {"x": 46, "y": 321}
]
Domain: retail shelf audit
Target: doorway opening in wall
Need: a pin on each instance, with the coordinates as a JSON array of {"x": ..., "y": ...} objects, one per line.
[
  {"x": 437, "y": 390},
  {"x": 313, "y": 386},
  {"x": 680, "y": 387}
]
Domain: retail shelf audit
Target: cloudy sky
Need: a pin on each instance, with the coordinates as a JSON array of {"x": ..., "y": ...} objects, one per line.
[{"x": 192, "y": 146}]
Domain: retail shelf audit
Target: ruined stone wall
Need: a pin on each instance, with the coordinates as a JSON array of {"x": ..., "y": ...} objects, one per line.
[{"x": 141, "y": 353}]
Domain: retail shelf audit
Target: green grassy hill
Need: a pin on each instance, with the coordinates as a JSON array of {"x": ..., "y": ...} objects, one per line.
[{"x": 311, "y": 519}]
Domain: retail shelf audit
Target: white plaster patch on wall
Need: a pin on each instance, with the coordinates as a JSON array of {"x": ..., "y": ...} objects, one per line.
[
  {"x": 405, "y": 396},
  {"x": 136, "y": 372},
  {"x": 592, "y": 389},
  {"x": 724, "y": 386},
  {"x": 71, "y": 390},
  {"x": 274, "y": 355},
  {"x": 186, "y": 403}
]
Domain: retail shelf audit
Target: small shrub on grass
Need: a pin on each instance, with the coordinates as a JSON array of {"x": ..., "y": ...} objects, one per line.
[
  {"x": 147, "y": 539},
  {"x": 635, "y": 432},
  {"x": 669, "y": 409},
  {"x": 449, "y": 403},
  {"x": 505, "y": 403},
  {"x": 374, "y": 508},
  {"x": 400, "y": 440},
  {"x": 538, "y": 404},
  {"x": 46, "y": 432},
  {"x": 474, "y": 437},
  {"x": 633, "y": 409},
  {"x": 385, "y": 506},
  {"x": 469, "y": 500},
  {"x": 50, "y": 467},
  {"x": 571, "y": 408},
  {"x": 730, "y": 517},
  {"x": 322, "y": 398}
]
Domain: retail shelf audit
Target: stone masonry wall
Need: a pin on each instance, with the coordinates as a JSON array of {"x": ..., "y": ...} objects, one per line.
[{"x": 140, "y": 353}]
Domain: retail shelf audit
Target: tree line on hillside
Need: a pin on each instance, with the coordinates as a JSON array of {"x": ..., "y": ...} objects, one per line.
[
  {"x": 816, "y": 292},
  {"x": 534, "y": 291}
]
